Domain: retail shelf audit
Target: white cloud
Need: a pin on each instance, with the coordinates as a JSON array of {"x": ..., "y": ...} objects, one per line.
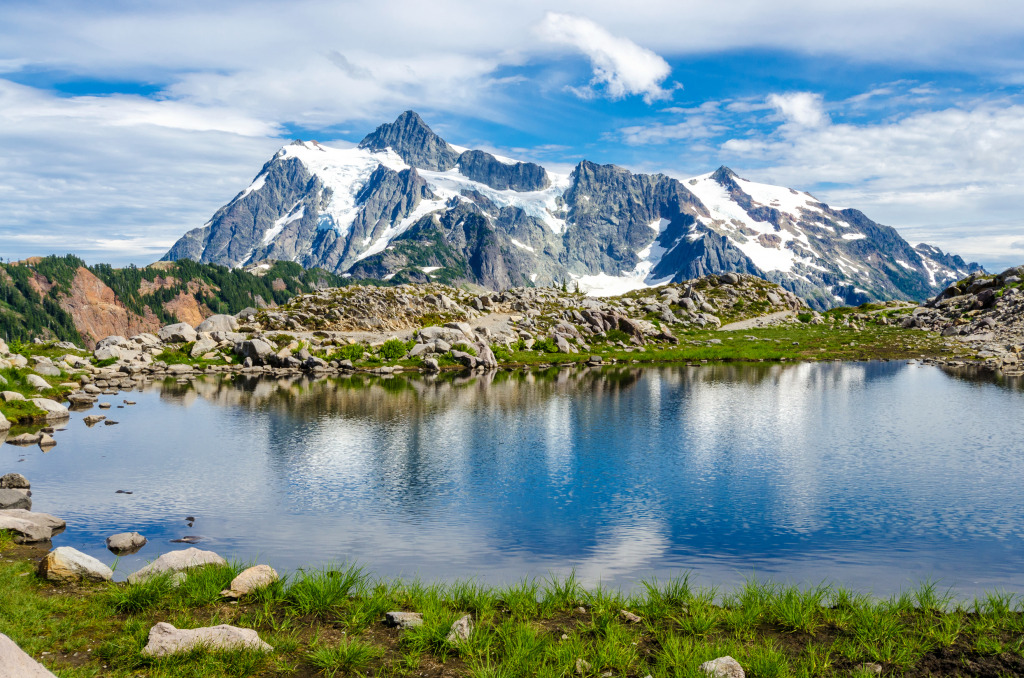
[
  {"x": 620, "y": 65},
  {"x": 116, "y": 179},
  {"x": 804, "y": 109}
]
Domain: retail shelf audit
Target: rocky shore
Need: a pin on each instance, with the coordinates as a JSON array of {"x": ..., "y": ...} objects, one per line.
[{"x": 984, "y": 312}]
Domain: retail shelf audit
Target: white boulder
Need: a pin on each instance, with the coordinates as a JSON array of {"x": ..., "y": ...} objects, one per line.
[
  {"x": 177, "y": 561},
  {"x": 67, "y": 565}
]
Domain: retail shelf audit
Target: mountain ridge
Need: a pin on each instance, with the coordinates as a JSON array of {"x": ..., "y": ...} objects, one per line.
[{"x": 399, "y": 206}]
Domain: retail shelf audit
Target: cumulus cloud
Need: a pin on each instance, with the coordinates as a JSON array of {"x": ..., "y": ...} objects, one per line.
[
  {"x": 804, "y": 109},
  {"x": 116, "y": 179},
  {"x": 620, "y": 66}
]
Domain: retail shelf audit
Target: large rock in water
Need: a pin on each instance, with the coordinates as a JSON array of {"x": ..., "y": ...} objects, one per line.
[
  {"x": 178, "y": 333},
  {"x": 16, "y": 663},
  {"x": 67, "y": 565},
  {"x": 165, "y": 639},
  {"x": 218, "y": 323},
  {"x": 5, "y": 425},
  {"x": 125, "y": 543},
  {"x": 54, "y": 410},
  {"x": 29, "y": 527},
  {"x": 177, "y": 561}
]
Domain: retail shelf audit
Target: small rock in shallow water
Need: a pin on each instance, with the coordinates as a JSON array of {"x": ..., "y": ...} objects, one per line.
[
  {"x": 125, "y": 543},
  {"x": 104, "y": 406},
  {"x": 93, "y": 419},
  {"x": 25, "y": 439},
  {"x": 108, "y": 422},
  {"x": 124, "y": 492},
  {"x": 187, "y": 539}
]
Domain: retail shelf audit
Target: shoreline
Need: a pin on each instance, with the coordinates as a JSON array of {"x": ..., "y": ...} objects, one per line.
[{"x": 315, "y": 618}]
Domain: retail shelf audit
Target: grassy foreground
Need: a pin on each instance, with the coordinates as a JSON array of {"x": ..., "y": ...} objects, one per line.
[{"x": 329, "y": 622}]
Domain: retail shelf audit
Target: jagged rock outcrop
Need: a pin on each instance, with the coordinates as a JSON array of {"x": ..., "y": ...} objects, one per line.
[
  {"x": 984, "y": 311},
  {"x": 515, "y": 176},
  {"x": 414, "y": 142}
]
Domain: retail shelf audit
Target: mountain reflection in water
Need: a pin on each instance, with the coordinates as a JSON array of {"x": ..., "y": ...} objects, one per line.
[{"x": 873, "y": 474}]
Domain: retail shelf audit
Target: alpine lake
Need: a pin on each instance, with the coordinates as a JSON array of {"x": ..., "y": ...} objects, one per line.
[{"x": 877, "y": 475}]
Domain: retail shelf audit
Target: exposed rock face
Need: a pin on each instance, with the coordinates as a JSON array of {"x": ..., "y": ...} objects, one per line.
[
  {"x": 98, "y": 313},
  {"x": 408, "y": 207},
  {"x": 16, "y": 663},
  {"x": 519, "y": 176},
  {"x": 176, "y": 561},
  {"x": 165, "y": 639},
  {"x": 410, "y": 138},
  {"x": 67, "y": 565},
  {"x": 186, "y": 309}
]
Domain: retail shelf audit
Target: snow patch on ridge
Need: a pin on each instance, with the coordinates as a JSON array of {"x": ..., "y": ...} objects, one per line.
[
  {"x": 538, "y": 204},
  {"x": 343, "y": 170},
  {"x": 279, "y": 225}
]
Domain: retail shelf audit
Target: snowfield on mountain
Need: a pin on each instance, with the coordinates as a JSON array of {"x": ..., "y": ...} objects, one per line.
[{"x": 406, "y": 206}]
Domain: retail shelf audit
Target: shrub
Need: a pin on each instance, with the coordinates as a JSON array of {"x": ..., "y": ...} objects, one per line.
[
  {"x": 615, "y": 335},
  {"x": 351, "y": 352},
  {"x": 546, "y": 345},
  {"x": 392, "y": 349},
  {"x": 804, "y": 317},
  {"x": 465, "y": 348}
]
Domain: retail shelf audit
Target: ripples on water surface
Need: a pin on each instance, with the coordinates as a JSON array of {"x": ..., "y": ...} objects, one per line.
[{"x": 875, "y": 475}]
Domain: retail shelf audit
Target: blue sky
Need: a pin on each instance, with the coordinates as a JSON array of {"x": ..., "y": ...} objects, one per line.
[{"x": 123, "y": 124}]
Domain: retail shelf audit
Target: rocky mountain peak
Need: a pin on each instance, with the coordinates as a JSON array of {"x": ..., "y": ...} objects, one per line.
[
  {"x": 724, "y": 176},
  {"x": 414, "y": 142}
]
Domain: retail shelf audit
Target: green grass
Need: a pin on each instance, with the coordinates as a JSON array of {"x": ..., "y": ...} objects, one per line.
[
  {"x": 329, "y": 621},
  {"x": 350, "y": 656}
]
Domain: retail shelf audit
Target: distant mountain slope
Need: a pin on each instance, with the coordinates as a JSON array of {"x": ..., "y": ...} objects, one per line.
[
  {"x": 405, "y": 205},
  {"x": 62, "y": 298}
]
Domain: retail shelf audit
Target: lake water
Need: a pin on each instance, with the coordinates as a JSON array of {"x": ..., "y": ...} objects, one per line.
[{"x": 873, "y": 475}]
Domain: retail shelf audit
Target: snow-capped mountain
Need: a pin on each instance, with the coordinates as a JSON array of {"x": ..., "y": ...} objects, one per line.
[{"x": 405, "y": 205}]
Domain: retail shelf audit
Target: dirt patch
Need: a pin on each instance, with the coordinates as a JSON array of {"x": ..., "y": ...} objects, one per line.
[
  {"x": 158, "y": 283},
  {"x": 98, "y": 313},
  {"x": 40, "y": 284}
]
